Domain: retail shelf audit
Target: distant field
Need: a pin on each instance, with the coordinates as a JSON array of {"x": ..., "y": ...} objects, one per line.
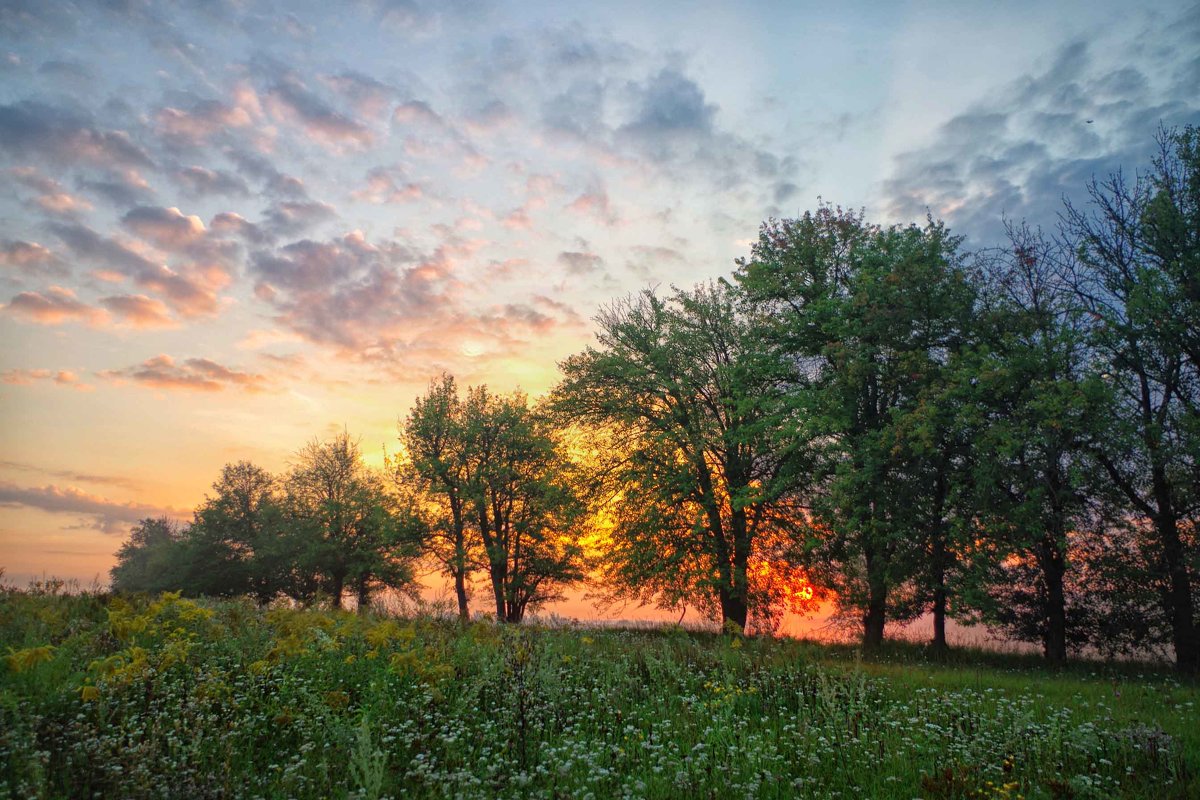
[{"x": 169, "y": 698}]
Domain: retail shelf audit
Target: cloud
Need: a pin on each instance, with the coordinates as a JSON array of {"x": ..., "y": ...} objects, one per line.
[
  {"x": 1017, "y": 153},
  {"x": 369, "y": 97},
  {"x": 72, "y": 475},
  {"x": 192, "y": 374},
  {"x": 276, "y": 183},
  {"x": 418, "y": 113},
  {"x": 52, "y": 197},
  {"x": 594, "y": 203},
  {"x": 107, "y": 515},
  {"x": 668, "y": 105},
  {"x": 191, "y": 292},
  {"x": 29, "y": 257},
  {"x": 196, "y": 125},
  {"x": 290, "y": 100},
  {"x": 201, "y": 182},
  {"x": 122, "y": 187},
  {"x": 389, "y": 305},
  {"x": 580, "y": 263},
  {"x": 382, "y": 188},
  {"x": 72, "y": 74},
  {"x": 140, "y": 311},
  {"x": 27, "y": 377},
  {"x": 168, "y": 228},
  {"x": 289, "y": 218},
  {"x": 53, "y": 307},
  {"x": 230, "y": 223},
  {"x": 33, "y": 129}
]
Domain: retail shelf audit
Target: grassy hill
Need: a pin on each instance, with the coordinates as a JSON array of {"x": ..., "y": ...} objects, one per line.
[{"x": 165, "y": 697}]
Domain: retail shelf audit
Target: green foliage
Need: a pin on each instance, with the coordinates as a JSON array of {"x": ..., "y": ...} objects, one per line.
[
  {"x": 498, "y": 495},
  {"x": 329, "y": 525},
  {"x": 871, "y": 319},
  {"x": 688, "y": 469},
  {"x": 169, "y": 698},
  {"x": 1138, "y": 247},
  {"x": 1030, "y": 404}
]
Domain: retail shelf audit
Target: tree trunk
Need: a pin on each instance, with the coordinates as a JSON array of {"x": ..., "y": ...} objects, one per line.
[
  {"x": 459, "y": 570},
  {"x": 733, "y": 610},
  {"x": 1054, "y": 568},
  {"x": 939, "y": 592},
  {"x": 877, "y": 591},
  {"x": 460, "y": 591},
  {"x": 873, "y": 620},
  {"x": 363, "y": 594},
  {"x": 336, "y": 589},
  {"x": 495, "y": 564},
  {"x": 1179, "y": 597},
  {"x": 738, "y": 603}
]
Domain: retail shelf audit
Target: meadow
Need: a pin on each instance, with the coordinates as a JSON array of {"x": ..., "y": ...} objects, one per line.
[{"x": 131, "y": 697}]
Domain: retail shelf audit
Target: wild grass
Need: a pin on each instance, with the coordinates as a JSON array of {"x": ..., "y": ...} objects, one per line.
[{"x": 164, "y": 697}]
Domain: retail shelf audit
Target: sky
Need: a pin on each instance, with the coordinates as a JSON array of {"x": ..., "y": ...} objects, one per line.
[{"x": 227, "y": 228}]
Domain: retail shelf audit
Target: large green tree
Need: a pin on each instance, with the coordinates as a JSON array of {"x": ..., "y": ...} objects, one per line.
[
  {"x": 357, "y": 536},
  {"x": 234, "y": 545},
  {"x": 149, "y": 560},
  {"x": 1138, "y": 249},
  {"x": 687, "y": 454},
  {"x": 524, "y": 509},
  {"x": 1030, "y": 405},
  {"x": 434, "y": 459},
  {"x": 868, "y": 319}
]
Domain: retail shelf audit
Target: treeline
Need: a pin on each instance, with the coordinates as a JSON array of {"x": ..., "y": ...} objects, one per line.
[{"x": 1009, "y": 437}]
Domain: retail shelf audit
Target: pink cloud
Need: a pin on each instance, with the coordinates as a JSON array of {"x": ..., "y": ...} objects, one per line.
[
  {"x": 168, "y": 228},
  {"x": 28, "y": 377},
  {"x": 593, "y": 203},
  {"x": 52, "y": 197},
  {"x": 140, "y": 311},
  {"x": 110, "y": 516},
  {"x": 195, "y": 126},
  {"x": 54, "y": 306},
  {"x": 382, "y": 189},
  {"x": 25, "y": 255},
  {"x": 192, "y": 374},
  {"x": 291, "y": 101}
]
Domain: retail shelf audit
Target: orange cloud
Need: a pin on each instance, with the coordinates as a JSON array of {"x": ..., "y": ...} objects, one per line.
[
  {"x": 140, "y": 311},
  {"x": 28, "y": 377},
  {"x": 192, "y": 374},
  {"x": 54, "y": 306}
]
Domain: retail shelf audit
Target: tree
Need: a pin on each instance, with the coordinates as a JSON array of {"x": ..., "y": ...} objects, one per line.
[
  {"x": 1138, "y": 248},
  {"x": 232, "y": 546},
  {"x": 1030, "y": 405},
  {"x": 867, "y": 319},
  {"x": 148, "y": 560},
  {"x": 524, "y": 509},
  {"x": 357, "y": 537},
  {"x": 689, "y": 468},
  {"x": 435, "y": 458}
]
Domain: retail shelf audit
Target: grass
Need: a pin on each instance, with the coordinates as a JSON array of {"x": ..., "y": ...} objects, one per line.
[{"x": 163, "y": 697}]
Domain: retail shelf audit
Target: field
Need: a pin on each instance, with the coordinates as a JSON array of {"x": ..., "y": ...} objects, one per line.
[{"x": 164, "y": 697}]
